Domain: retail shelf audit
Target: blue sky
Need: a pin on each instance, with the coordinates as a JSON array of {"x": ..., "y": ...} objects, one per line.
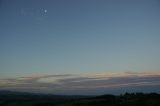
[{"x": 50, "y": 37}]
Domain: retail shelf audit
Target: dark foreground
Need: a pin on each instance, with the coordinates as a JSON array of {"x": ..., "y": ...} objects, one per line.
[{"x": 128, "y": 99}]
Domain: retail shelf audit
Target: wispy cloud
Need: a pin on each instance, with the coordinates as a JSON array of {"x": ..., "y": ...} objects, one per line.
[{"x": 68, "y": 82}]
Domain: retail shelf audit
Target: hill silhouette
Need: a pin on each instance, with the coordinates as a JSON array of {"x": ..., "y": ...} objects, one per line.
[{"x": 8, "y": 98}]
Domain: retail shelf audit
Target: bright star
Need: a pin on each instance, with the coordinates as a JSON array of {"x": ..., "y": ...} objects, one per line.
[{"x": 45, "y": 11}]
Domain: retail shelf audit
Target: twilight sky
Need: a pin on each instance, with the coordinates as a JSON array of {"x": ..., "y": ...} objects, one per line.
[{"x": 80, "y": 46}]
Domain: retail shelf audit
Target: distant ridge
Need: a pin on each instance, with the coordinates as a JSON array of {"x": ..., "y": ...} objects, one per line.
[
  {"x": 7, "y": 92},
  {"x": 11, "y": 98},
  {"x": 11, "y": 94}
]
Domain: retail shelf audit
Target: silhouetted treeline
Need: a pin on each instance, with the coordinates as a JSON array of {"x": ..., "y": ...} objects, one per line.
[{"x": 127, "y": 99}]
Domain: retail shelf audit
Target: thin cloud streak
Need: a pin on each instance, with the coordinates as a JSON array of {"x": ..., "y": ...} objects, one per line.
[{"x": 68, "y": 82}]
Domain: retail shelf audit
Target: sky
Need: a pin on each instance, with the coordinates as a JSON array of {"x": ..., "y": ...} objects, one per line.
[{"x": 80, "y": 46}]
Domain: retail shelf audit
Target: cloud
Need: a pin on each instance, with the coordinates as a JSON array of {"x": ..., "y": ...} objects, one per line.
[
  {"x": 70, "y": 83},
  {"x": 28, "y": 81}
]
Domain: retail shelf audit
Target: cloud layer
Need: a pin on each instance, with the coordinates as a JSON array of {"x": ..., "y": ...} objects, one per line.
[{"x": 83, "y": 84}]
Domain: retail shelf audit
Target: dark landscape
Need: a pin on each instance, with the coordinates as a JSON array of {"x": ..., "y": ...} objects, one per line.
[{"x": 8, "y": 98}]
